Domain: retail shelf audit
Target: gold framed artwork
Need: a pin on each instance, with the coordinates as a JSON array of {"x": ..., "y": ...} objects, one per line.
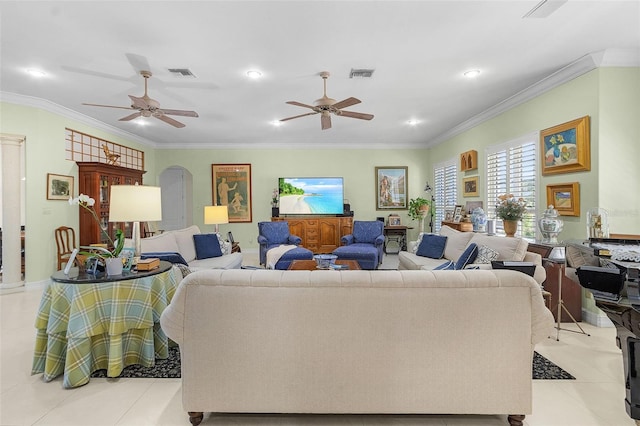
[
  {"x": 231, "y": 186},
  {"x": 470, "y": 186},
  {"x": 566, "y": 148},
  {"x": 391, "y": 188},
  {"x": 565, "y": 197},
  {"x": 59, "y": 187}
]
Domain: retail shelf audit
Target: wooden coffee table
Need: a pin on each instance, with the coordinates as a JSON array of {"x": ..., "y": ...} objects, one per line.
[{"x": 310, "y": 265}]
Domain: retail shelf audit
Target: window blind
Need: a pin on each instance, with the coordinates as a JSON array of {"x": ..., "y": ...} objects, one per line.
[{"x": 445, "y": 191}]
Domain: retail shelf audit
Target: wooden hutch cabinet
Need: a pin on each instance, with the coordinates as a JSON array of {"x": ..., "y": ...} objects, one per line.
[
  {"x": 320, "y": 234},
  {"x": 95, "y": 180}
]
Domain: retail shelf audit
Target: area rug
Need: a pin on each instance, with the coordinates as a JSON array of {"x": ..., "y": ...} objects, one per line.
[{"x": 543, "y": 369}]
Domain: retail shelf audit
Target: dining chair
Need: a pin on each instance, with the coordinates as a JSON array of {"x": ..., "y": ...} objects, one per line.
[{"x": 65, "y": 242}]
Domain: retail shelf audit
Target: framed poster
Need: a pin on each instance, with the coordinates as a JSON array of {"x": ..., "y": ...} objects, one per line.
[
  {"x": 566, "y": 147},
  {"x": 391, "y": 188},
  {"x": 231, "y": 186},
  {"x": 565, "y": 197},
  {"x": 470, "y": 187},
  {"x": 59, "y": 187}
]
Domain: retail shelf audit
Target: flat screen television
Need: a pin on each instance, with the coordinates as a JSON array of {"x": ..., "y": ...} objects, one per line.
[{"x": 315, "y": 195}]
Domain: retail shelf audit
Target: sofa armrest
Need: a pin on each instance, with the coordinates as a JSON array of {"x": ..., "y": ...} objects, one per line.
[
  {"x": 347, "y": 239},
  {"x": 295, "y": 240},
  {"x": 533, "y": 257}
]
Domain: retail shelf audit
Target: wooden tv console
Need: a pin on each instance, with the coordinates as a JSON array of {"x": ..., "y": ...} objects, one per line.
[{"x": 320, "y": 234}]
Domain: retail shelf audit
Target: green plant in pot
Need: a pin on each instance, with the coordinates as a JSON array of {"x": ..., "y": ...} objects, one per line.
[{"x": 419, "y": 208}]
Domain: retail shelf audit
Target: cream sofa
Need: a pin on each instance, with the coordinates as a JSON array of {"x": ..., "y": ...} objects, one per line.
[
  {"x": 513, "y": 249},
  {"x": 181, "y": 241},
  {"x": 439, "y": 342}
]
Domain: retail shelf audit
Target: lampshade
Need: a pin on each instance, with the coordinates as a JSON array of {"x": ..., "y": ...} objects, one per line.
[
  {"x": 215, "y": 215},
  {"x": 135, "y": 203}
]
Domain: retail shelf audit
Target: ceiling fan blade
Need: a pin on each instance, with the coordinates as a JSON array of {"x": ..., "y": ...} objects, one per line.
[
  {"x": 137, "y": 102},
  {"x": 346, "y": 103},
  {"x": 131, "y": 117},
  {"x": 180, "y": 112},
  {"x": 138, "y": 62},
  {"x": 169, "y": 120},
  {"x": 107, "y": 106},
  {"x": 359, "y": 115},
  {"x": 325, "y": 121},
  {"x": 300, "y": 104},
  {"x": 298, "y": 116}
]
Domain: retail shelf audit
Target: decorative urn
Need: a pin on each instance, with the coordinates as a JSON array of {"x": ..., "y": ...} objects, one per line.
[
  {"x": 479, "y": 220},
  {"x": 550, "y": 225}
]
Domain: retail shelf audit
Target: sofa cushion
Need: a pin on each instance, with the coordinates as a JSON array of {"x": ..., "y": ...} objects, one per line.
[
  {"x": 432, "y": 246},
  {"x": 486, "y": 254},
  {"x": 184, "y": 238},
  {"x": 456, "y": 242},
  {"x": 206, "y": 246},
  {"x": 467, "y": 257},
  {"x": 173, "y": 257},
  {"x": 510, "y": 248},
  {"x": 165, "y": 242}
]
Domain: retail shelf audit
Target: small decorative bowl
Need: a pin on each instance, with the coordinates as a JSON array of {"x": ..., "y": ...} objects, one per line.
[{"x": 324, "y": 261}]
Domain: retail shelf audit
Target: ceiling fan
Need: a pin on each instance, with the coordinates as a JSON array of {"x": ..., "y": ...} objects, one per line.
[
  {"x": 327, "y": 106},
  {"x": 148, "y": 107}
]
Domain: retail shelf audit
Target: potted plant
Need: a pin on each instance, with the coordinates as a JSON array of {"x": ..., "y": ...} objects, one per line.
[
  {"x": 419, "y": 208},
  {"x": 510, "y": 209}
]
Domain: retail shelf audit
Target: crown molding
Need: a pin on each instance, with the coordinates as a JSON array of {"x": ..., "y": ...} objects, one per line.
[
  {"x": 30, "y": 101},
  {"x": 603, "y": 59}
]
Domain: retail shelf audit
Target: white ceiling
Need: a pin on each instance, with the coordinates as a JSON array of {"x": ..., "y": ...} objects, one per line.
[{"x": 92, "y": 51}]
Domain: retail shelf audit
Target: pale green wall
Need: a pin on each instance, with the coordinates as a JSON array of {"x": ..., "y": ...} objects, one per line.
[
  {"x": 45, "y": 153},
  {"x": 619, "y": 153},
  {"x": 357, "y": 166}
]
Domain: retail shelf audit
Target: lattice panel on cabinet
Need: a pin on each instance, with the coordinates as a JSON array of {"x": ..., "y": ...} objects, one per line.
[{"x": 86, "y": 148}]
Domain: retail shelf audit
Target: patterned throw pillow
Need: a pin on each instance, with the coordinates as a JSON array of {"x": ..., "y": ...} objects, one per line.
[{"x": 486, "y": 254}]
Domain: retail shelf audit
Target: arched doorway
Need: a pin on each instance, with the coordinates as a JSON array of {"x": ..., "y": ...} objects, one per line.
[{"x": 176, "y": 185}]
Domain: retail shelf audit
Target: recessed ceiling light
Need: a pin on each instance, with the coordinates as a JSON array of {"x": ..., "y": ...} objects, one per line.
[
  {"x": 254, "y": 74},
  {"x": 36, "y": 73},
  {"x": 276, "y": 123},
  {"x": 412, "y": 122},
  {"x": 472, "y": 73}
]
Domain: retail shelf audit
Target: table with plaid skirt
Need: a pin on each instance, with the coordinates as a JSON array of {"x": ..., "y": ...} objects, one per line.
[{"x": 82, "y": 328}]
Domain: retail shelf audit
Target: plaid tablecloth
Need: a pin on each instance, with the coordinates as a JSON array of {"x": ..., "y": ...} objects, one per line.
[{"x": 82, "y": 328}]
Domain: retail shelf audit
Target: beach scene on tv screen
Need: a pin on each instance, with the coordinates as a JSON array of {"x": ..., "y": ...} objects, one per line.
[{"x": 311, "y": 196}]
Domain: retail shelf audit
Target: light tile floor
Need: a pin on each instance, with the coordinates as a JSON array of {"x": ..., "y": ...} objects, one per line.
[{"x": 596, "y": 398}]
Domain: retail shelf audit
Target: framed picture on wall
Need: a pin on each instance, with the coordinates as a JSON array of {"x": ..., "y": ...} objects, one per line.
[
  {"x": 565, "y": 197},
  {"x": 470, "y": 187},
  {"x": 231, "y": 186},
  {"x": 391, "y": 188},
  {"x": 59, "y": 187},
  {"x": 566, "y": 147}
]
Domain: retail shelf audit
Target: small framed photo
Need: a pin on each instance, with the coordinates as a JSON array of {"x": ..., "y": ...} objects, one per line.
[
  {"x": 59, "y": 187},
  {"x": 457, "y": 211},
  {"x": 457, "y": 218},
  {"x": 448, "y": 214},
  {"x": 127, "y": 253},
  {"x": 394, "y": 220}
]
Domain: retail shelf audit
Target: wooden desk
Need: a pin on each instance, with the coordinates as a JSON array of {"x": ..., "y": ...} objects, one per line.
[
  {"x": 311, "y": 265},
  {"x": 397, "y": 234},
  {"x": 459, "y": 226}
]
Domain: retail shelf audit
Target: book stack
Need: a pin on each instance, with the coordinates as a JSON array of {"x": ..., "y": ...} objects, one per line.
[{"x": 148, "y": 264}]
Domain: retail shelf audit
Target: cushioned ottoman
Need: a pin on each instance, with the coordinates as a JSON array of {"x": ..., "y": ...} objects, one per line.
[
  {"x": 298, "y": 253},
  {"x": 365, "y": 254}
]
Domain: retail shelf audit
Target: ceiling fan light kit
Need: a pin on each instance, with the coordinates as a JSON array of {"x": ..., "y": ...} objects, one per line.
[
  {"x": 327, "y": 106},
  {"x": 147, "y": 107}
]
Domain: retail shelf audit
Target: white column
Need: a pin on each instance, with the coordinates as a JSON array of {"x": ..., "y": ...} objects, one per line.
[{"x": 11, "y": 244}]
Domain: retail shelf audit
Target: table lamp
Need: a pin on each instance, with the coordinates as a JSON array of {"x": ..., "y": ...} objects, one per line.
[
  {"x": 135, "y": 203},
  {"x": 215, "y": 215}
]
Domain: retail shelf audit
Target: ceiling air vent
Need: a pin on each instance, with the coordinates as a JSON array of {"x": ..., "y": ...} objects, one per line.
[
  {"x": 361, "y": 73},
  {"x": 181, "y": 72}
]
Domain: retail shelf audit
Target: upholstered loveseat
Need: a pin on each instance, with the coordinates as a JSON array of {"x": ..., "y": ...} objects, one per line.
[
  {"x": 489, "y": 247},
  {"x": 182, "y": 241},
  {"x": 438, "y": 342}
]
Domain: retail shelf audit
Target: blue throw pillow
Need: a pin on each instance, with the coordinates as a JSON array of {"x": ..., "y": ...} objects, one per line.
[
  {"x": 207, "y": 246},
  {"x": 447, "y": 266},
  {"x": 467, "y": 257},
  {"x": 169, "y": 256},
  {"x": 432, "y": 246}
]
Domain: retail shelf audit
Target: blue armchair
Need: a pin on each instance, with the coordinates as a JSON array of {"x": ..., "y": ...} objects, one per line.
[
  {"x": 273, "y": 234},
  {"x": 364, "y": 244}
]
